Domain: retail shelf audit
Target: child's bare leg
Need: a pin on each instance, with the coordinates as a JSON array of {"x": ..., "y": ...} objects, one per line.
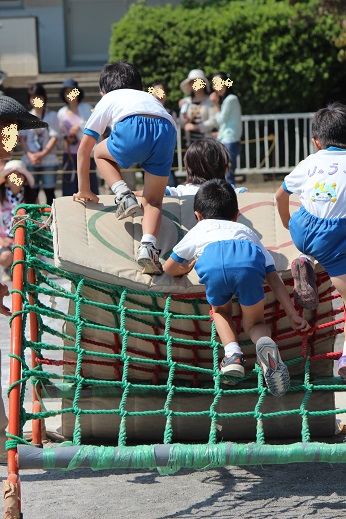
[
  {"x": 153, "y": 193},
  {"x": 268, "y": 357},
  {"x": 224, "y": 324},
  {"x": 110, "y": 170},
  {"x": 340, "y": 284},
  {"x": 254, "y": 323},
  {"x": 233, "y": 362}
]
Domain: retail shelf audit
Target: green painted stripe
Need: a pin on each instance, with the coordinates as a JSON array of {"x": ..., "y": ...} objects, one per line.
[{"x": 92, "y": 229}]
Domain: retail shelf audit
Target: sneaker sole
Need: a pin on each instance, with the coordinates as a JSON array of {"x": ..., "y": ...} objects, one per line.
[
  {"x": 129, "y": 212},
  {"x": 233, "y": 371},
  {"x": 304, "y": 293},
  {"x": 148, "y": 267},
  {"x": 275, "y": 378}
]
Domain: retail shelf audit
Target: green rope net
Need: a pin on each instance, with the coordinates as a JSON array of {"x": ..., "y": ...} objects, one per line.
[{"x": 139, "y": 370}]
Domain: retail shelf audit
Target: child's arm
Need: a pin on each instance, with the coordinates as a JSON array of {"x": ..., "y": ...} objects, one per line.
[
  {"x": 83, "y": 169},
  {"x": 282, "y": 200},
  {"x": 174, "y": 268},
  {"x": 281, "y": 294}
]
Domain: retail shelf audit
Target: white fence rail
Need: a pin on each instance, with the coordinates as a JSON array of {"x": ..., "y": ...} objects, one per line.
[{"x": 271, "y": 143}]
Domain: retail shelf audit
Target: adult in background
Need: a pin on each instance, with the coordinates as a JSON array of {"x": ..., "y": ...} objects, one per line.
[
  {"x": 228, "y": 117},
  {"x": 40, "y": 144},
  {"x": 72, "y": 119},
  {"x": 13, "y": 117},
  {"x": 197, "y": 110},
  {"x": 159, "y": 87}
]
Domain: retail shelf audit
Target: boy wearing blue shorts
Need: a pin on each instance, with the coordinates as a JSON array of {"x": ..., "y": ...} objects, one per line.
[
  {"x": 318, "y": 229},
  {"x": 142, "y": 133},
  {"x": 231, "y": 261}
]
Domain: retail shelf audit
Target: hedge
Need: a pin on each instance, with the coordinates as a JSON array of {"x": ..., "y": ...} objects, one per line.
[{"x": 281, "y": 57}]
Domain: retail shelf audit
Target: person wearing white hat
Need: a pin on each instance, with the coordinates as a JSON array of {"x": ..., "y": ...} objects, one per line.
[{"x": 197, "y": 114}]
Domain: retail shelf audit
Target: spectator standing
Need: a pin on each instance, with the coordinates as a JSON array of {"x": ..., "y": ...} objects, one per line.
[
  {"x": 72, "y": 119},
  {"x": 197, "y": 114},
  {"x": 228, "y": 118},
  {"x": 159, "y": 87},
  {"x": 40, "y": 144}
]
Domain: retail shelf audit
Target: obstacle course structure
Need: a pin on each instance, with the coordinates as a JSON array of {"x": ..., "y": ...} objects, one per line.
[{"x": 137, "y": 371}]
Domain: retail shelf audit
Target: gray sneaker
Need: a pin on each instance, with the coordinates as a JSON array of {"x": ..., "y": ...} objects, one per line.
[
  {"x": 274, "y": 370},
  {"x": 126, "y": 206},
  {"x": 148, "y": 258}
]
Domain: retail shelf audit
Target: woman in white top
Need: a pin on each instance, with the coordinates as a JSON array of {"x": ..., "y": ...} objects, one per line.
[
  {"x": 39, "y": 144},
  {"x": 196, "y": 111},
  {"x": 228, "y": 118},
  {"x": 72, "y": 119}
]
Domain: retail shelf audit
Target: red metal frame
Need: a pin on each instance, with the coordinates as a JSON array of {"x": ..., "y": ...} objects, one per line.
[{"x": 16, "y": 349}]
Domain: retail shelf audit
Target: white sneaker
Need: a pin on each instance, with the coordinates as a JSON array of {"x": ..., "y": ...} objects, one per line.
[
  {"x": 274, "y": 370},
  {"x": 127, "y": 205},
  {"x": 148, "y": 257}
]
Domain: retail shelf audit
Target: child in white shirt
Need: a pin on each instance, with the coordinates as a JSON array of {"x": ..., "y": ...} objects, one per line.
[
  {"x": 231, "y": 261},
  {"x": 318, "y": 229},
  {"x": 142, "y": 133}
]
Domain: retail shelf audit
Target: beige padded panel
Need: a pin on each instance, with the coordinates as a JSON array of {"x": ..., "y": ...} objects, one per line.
[{"x": 90, "y": 241}]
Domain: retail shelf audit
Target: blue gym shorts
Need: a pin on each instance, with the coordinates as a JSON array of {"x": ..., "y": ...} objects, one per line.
[
  {"x": 147, "y": 141},
  {"x": 232, "y": 267},
  {"x": 322, "y": 238}
]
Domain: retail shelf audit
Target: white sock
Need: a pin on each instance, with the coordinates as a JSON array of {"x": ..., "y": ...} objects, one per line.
[
  {"x": 232, "y": 347},
  {"x": 148, "y": 238},
  {"x": 119, "y": 188},
  {"x": 344, "y": 350}
]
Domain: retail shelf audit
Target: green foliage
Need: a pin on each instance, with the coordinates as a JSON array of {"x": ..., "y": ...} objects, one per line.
[{"x": 281, "y": 57}]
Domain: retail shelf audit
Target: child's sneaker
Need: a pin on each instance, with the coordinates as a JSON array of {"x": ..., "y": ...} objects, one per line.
[
  {"x": 304, "y": 290},
  {"x": 126, "y": 205},
  {"x": 274, "y": 370},
  {"x": 342, "y": 367},
  {"x": 233, "y": 366},
  {"x": 148, "y": 257}
]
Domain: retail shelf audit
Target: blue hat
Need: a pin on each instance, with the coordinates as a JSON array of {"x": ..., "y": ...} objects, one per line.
[{"x": 70, "y": 83}]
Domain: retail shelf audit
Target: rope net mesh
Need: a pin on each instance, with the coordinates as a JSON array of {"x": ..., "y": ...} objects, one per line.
[{"x": 134, "y": 367}]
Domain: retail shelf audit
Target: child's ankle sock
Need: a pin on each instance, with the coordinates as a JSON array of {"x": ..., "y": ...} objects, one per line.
[
  {"x": 344, "y": 350},
  {"x": 119, "y": 188},
  {"x": 149, "y": 238},
  {"x": 232, "y": 347}
]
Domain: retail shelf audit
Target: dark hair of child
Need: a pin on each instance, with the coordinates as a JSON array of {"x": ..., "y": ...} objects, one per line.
[
  {"x": 215, "y": 199},
  {"x": 162, "y": 83},
  {"x": 205, "y": 159},
  {"x": 30, "y": 194},
  {"x": 229, "y": 90},
  {"x": 37, "y": 89},
  {"x": 115, "y": 76},
  {"x": 328, "y": 125}
]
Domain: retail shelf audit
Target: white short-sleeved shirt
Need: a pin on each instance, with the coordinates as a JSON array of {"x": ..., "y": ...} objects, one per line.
[
  {"x": 191, "y": 189},
  {"x": 116, "y": 105},
  {"x": 320, "y": 180},
  {"x": 210, "y": 231},
  {"x": 183, "y": 190}
]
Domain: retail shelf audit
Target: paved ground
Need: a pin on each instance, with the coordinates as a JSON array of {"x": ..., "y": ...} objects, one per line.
[{"x": 294, "y": 491}]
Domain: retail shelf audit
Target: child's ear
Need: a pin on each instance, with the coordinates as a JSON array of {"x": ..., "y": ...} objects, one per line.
[
  {"x": 198, "y": 216},
  {"x": 102, "y": 93},
  {"x": 235, "y": 219},
  {"x": 317, "y": 143}
]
